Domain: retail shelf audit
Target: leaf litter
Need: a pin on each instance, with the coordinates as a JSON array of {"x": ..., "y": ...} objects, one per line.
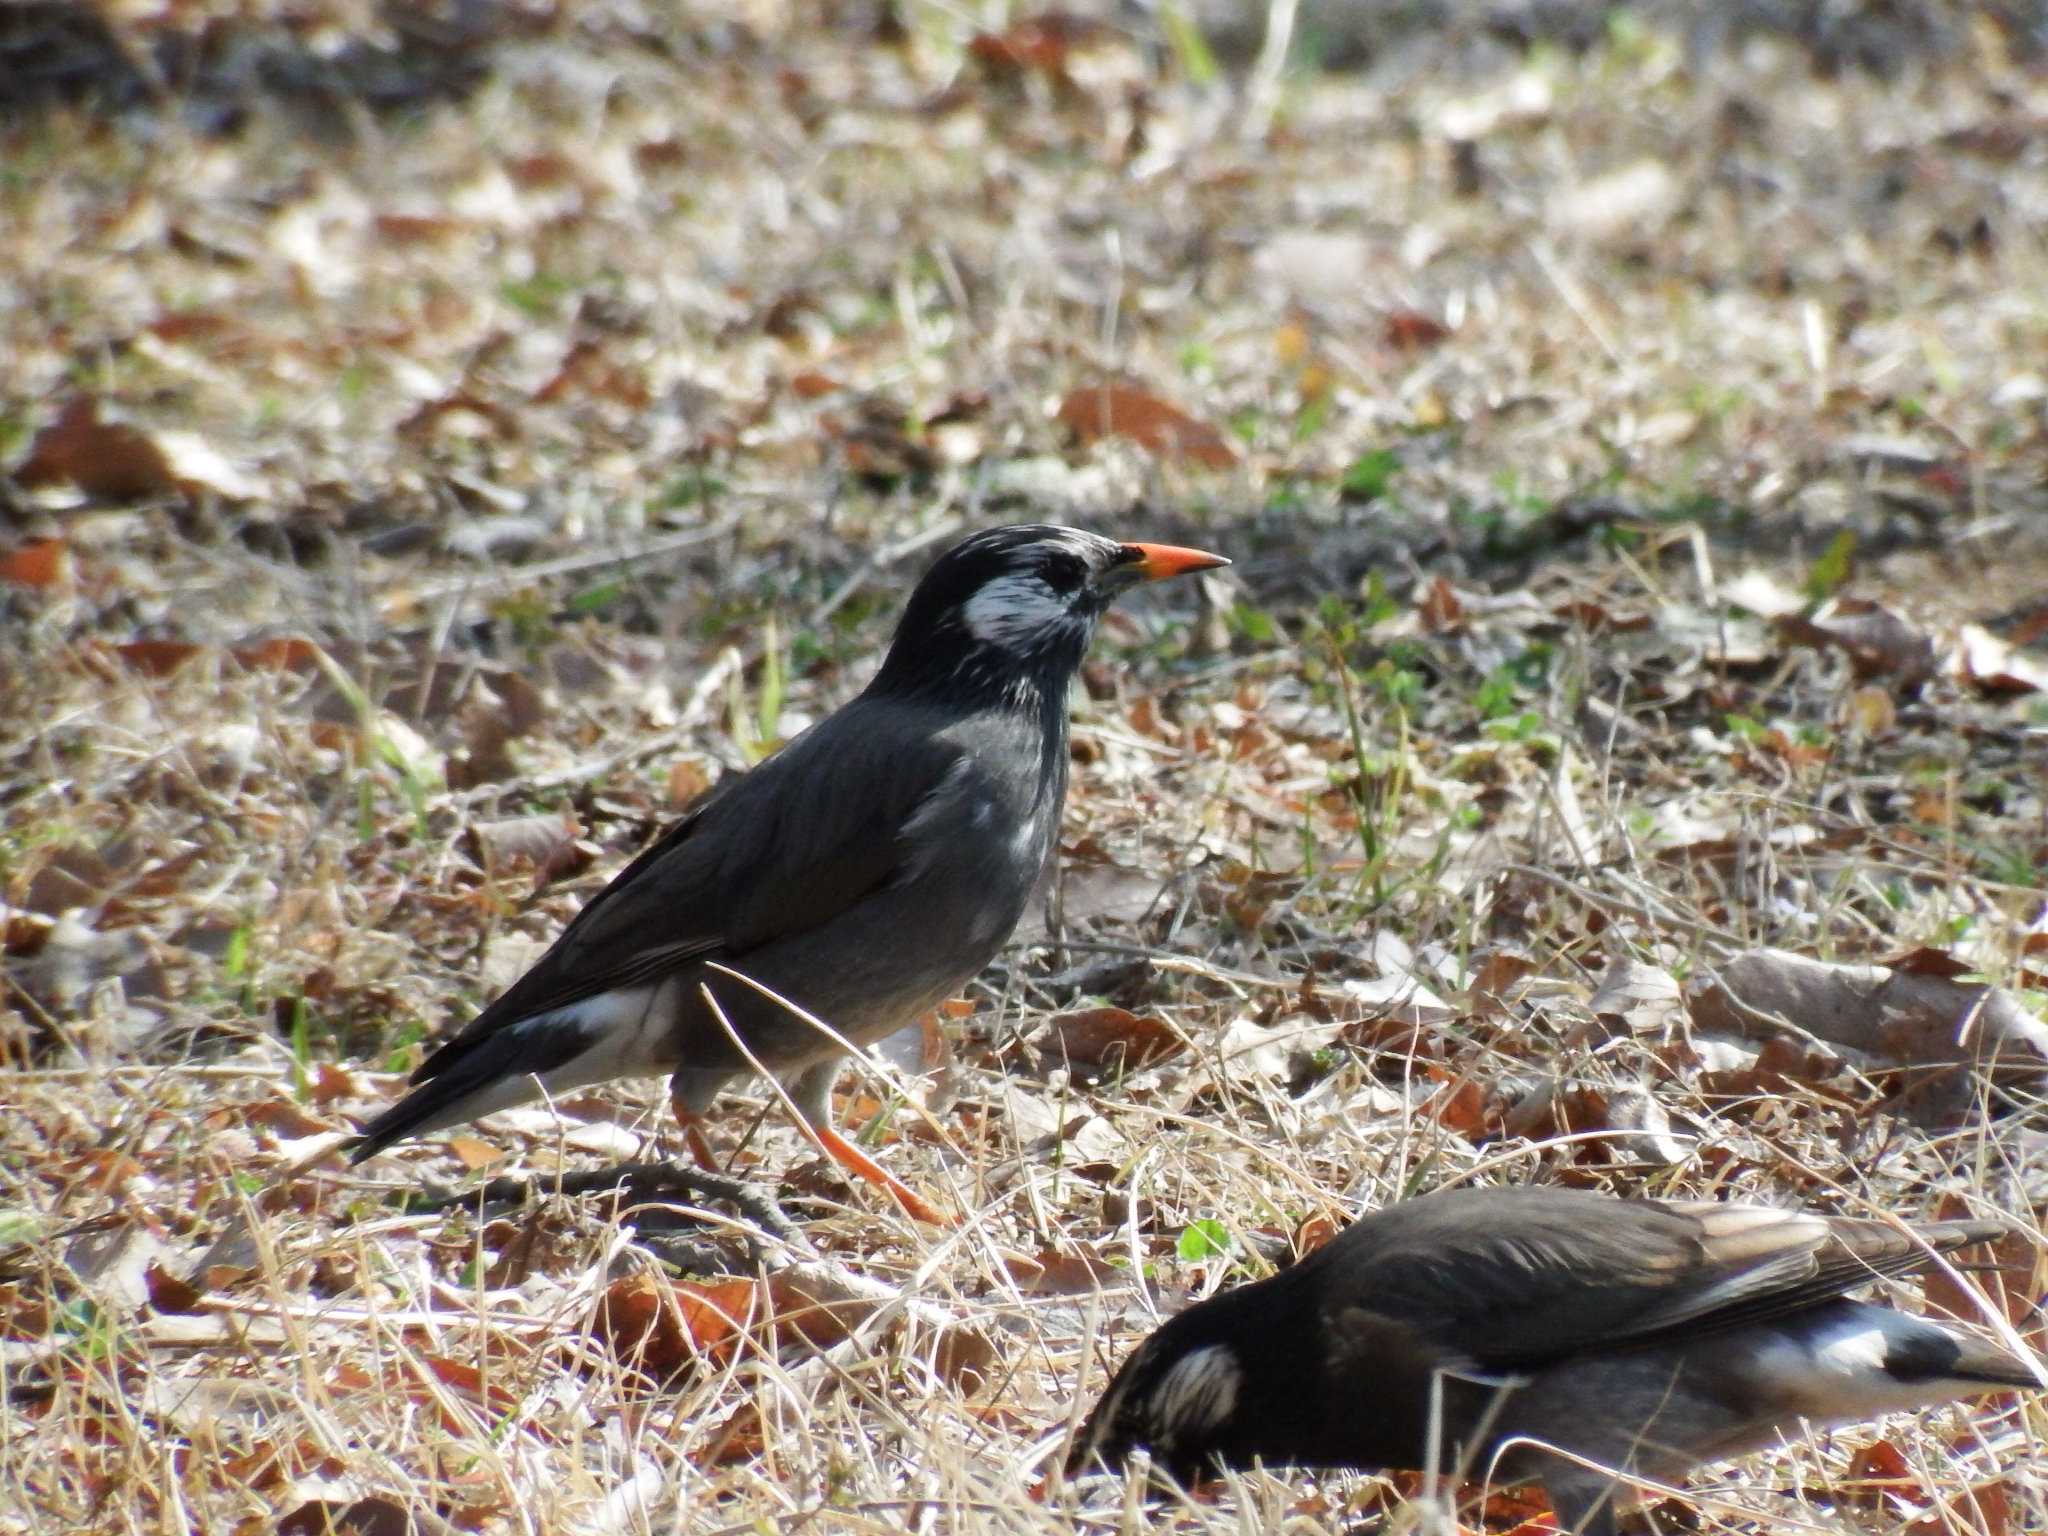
[{"x": 1614, "y": 758}]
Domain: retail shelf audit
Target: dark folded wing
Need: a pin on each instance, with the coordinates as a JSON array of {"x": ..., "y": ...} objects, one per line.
[
  {"x": 789, "y": 846},
  {"x": 1513, "y": 1279}
]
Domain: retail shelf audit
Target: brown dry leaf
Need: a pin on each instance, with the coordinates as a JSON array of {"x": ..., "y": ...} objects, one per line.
[
  {"x": 1314, "y": 1233},
  {"x": 1928, "y": 961},
  {"x": 1906, "y": 1016},
  {"x": 1113, "y": 1037},
  {"x": 1459, "y": 1106},
  {"x": 1883, "y": 1462},
  {"x": 474, "y": 1153},
  {"x": 169, "y": 1294},
  {"x": 1994, "y": 666},
  {"x": 1410, "y": 330},
  {"x": 1984, "y": 1509},
  {"x": 362, "y": 1517},
  {"x": 109, "y": 459},
  {"x": 659, "y": 1326},
  {"x": 1126, "y": 411},
  {"x": 280, "y": 653},
  {"x": 1879, "y": 642},
  {"x": 157, "y": 658},
  {"x": 286, "y": 1117},
  {"x": 587, "y": 371},
  {"x": 514, "y": 841},
  {"x": 964, "y": 1358},
  {"x": 37, "y": 563},
  {"x": 1057, "y": 1272},
  {"x": 331, "y": 1080},
  {"x": 1037, "y": 44},
  {"x": 1501, "y": 970},
  {"x": 1440, "y": 608},
  {"x": 812, "y": 385}
]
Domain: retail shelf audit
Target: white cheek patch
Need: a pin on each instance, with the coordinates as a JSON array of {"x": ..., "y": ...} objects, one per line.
[
  {"x": 1014, "y": 612},
  {"x": 1197, "y": 1393}
]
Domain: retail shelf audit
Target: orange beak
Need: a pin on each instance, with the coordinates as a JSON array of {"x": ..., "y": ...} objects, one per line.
[{"x": 1156, "y": 562}]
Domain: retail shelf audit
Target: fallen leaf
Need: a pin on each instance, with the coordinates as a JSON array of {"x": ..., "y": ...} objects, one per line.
[
  {"x": 1994, "y": 666},
  {"x": 473, "y": 1152},
  {"x": 1410, "y": 330},
  {"x": 1060, "y": 1272},
  {"x": 512, "y": 841},
  {"x": 109, "y": 459},
  {"x": 1915, "y": 1020},
  {"x": 659, "y": 1326},
  {"x": 38, "y": 563},
  {"x": 332, "y": 1517},
  {"x": 1123, "y": 410},
  {"x": 1098, "y": 1037},
  {"x": 169, "y": 1294},
  {"x": 157, "y": 658},
  {"x": 1984, "y": 1509},
  {"x": 1879, "y": 642}
]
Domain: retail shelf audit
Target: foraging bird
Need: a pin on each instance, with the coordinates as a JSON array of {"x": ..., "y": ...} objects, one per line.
[
  {"x": 1644, "y": 1336},
  {"x": 863, "y": 873}
]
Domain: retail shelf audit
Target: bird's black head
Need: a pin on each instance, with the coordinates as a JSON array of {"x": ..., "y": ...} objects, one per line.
[
  {"x": 1184, "y": 1396},
  {"x": 1007, "y": 613}
]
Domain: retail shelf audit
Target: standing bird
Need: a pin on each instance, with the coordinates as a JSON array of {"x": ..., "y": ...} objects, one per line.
[
  {"x": 863, "y": 873},
  {"x": 1642, "y": 1336}
]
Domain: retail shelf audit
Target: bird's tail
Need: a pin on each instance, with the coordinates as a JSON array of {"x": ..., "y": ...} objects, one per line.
[
  {"x": 620, "y": 1033},
  {"x": 498, "y": 1071}
]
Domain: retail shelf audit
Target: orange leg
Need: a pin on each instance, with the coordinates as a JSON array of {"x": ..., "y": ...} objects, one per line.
[
  {"x": 855, "y": 1161},
  {"x": 693, "y": 1136},
  {"x": 831, "y": 1143}
]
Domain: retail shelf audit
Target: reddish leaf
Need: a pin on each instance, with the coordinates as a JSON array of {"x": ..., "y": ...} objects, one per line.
[
  {"x": 812, "y": 385},
  {"x": 473, "y": 1152},
  {"x": 587, "y": 371},
  {"x": 660, "y": 1327},
  {"x": 102, "y": 458},
  {"x": 330, "y": 1081},
  {"x": 1100, "y": 1036},
  {"x": 38, "y": 563},
  {"x": 1440, "y": 608},
  {"x": 468, "y": 1380},
  {"x": 1985, "y": 1509},
  {"x": 1459, "y": 1106},
  {"x": 169, "y": 1294},
  {"x": 1039, "y": 43},
  {"x": 2011, "y": 1281},
  {"x": 1883, "y": 1465},
  {"x": 1076, "y": 1272},
  {"x": 416, "y": 229},
  {"x": 1411, "y": 330},
  {"x": 282, "y": 653},
  {"x": 331, "y": 1517},
  {"x": 1928, "y": 961},
  {"x": 1122, "y": 410},
  {"x": 156, "y": 658},
  {"x": 1314, "y": 1233}
]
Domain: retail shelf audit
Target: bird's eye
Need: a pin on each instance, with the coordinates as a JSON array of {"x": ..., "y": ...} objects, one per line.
[{"x": 1064, "y": 573}]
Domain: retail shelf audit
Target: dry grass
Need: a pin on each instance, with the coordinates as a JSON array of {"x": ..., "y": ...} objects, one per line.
[{"x": 592, "y": 423}]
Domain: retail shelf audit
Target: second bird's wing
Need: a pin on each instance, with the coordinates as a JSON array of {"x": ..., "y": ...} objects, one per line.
[{"x": 1515, "y": 1279}]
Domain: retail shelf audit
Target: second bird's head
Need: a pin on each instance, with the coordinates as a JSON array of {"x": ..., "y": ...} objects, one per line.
[{"x": 1017, "y": 605}]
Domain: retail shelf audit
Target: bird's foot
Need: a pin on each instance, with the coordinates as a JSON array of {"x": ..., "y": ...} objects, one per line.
[{"x": 855, "y": 1161}]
